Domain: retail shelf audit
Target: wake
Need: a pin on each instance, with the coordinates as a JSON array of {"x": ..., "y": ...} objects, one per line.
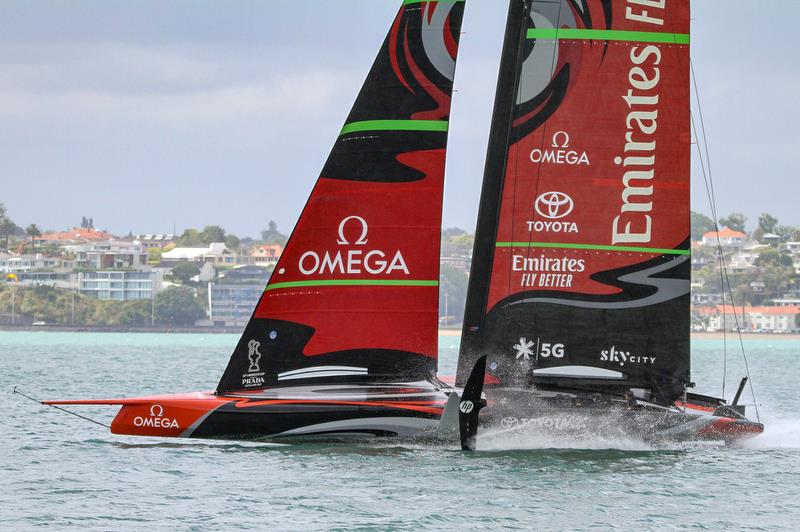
[{"x": 779, "y": 433}]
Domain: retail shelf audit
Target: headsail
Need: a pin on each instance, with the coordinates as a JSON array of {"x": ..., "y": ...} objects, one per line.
[
  {"x": 581, "y": 265},
  {"x": 355, "y": 294}
]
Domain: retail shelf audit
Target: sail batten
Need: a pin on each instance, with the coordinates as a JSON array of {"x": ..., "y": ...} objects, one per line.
[{"x": 582, "y": 243}]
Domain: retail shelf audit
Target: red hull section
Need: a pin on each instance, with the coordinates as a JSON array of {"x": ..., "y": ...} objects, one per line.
[
  {"x": 184, "y": 415},
  {"x": 157, "y": 415}
]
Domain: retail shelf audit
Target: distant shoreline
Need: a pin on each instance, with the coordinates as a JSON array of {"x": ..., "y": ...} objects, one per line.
[
  {"x": 745, "y": 336},
  {"x": 449, "y": 332}
]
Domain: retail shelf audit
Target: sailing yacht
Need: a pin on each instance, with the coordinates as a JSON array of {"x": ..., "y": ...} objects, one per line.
[
  {"x": 579, "y": 294},
  {"x": 578, "y": 300}
]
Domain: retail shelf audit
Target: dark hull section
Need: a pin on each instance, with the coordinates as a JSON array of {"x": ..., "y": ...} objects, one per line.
[
  {"x": 408, "y": 410},
  {"x": 314, "y": 420}
]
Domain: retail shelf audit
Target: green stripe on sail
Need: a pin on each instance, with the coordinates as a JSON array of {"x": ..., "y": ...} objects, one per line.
[
  {"x": 608, "y": 35},
  {"x": 352, "y": 282},
  {"x": 395, "y": 125},
  {"x": 628, "y": 249}
]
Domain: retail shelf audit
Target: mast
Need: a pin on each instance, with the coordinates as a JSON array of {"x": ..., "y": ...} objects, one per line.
[
  {"x": 354, "y": 296},
  {"x": 494, "y": 171},
  {"x": 581, "y": 269}
]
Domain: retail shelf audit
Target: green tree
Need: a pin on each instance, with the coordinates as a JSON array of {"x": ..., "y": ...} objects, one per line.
[
  {"x": 232, "y": 242},
  {"x": 767, "y": 223},
  {"x": 701, "y": 224},
  {"x": 786, "y": 232},
  {"x": 212, "y": 233},
  {"x": 270, "y": 232},
  {"x": 7, "y": 227},
  {"x": 735, "y": 221},
  {"x": 177, "y": 305},
  {"x": 33, "y": 231},
  {"x": 184, "y": 271},
  {"x": 774, "y": 258},
  {"x": 452, "y": 292},
  {"x": 272, "y": 236},
  {"x": 154, "y": 255}
]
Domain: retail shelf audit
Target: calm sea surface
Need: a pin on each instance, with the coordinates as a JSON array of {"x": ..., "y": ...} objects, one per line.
[{"x": 60, "y": 472}]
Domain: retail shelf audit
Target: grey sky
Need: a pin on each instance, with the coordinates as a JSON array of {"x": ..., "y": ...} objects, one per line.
[{"x": 152, "y": 113}]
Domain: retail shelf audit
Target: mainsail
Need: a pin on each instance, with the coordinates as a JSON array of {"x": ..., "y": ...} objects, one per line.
[
  {"x": 355, "y": 294},
  {"x": 581, "y": 267}
]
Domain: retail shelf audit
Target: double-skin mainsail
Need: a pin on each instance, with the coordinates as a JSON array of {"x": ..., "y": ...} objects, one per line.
[{"x": 581, "y": 269}]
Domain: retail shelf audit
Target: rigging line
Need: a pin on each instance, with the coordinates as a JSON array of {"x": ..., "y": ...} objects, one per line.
[
  {"x": 719, "y": 256},
  {"x": 724, "y": 268},
  {"x": 722, "y": 257},
  {"x": 17, "y": 392}
]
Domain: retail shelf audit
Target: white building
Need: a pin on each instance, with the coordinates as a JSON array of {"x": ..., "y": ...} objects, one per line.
[
  {"x": 759, "y": 319},
  {"x": 120, "y": 285},
  {"x": 27, "y": 263},
  {"x": 727, "y": 238},
  {"x": 107, "y": 254}
]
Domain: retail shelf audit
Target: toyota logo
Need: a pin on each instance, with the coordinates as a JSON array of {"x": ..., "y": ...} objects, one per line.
[
  {"x": 554, "y": 205},
  {"x": 508, "y": 422}
]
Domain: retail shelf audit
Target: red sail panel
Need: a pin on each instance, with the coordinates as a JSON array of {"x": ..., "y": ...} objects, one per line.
[
  {"x": 355, "y": 294},
  {"x": 590, "y": 249},
  {"x": 608, "y": 170}
]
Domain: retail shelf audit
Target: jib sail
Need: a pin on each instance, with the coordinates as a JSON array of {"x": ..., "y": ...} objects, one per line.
[
  {"x": 355, "y": 294},
  {"x": 581, "y": 265}
]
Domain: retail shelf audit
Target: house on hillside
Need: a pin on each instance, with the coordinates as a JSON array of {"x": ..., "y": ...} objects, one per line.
[
  {"x": 155, "y": 241},
  {"x": 758, "y": 319},
  {"x": 76, "y": 234},
  {"x": 729, "y": 239},
  {"x": 266, "y": 254}
]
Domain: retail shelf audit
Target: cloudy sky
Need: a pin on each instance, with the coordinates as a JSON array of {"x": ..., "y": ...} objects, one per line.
[{"x": 151, "y": 115}]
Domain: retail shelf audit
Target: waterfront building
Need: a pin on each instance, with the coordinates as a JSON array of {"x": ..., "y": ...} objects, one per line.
[
  {"x": 756, "y": 319},
  {"x": 232, "y": 300},
  {"x": 107, "y": 254},
  {"x": 30, "y": 262},
  {"x": 120, "y": 285}
]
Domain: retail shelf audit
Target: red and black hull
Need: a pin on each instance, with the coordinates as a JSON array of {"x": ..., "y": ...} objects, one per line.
[{"x": 406, "y": 410}]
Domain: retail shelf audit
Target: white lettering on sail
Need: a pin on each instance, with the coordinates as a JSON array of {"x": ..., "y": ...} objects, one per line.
[
  {"x": 546, "y": 272},
  {"x": 352, "y": 261},
  {"x": 633, "y": 225},
  {"x": 642, "y": 15},
  {"x": 560, "y": 152}
]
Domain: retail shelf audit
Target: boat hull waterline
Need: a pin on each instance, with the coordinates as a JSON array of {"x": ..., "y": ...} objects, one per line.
[{"x": 411, "y": 412}]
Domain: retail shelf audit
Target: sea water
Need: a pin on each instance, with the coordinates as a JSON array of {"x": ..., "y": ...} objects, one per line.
[{"x": 58, "y": 471}]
